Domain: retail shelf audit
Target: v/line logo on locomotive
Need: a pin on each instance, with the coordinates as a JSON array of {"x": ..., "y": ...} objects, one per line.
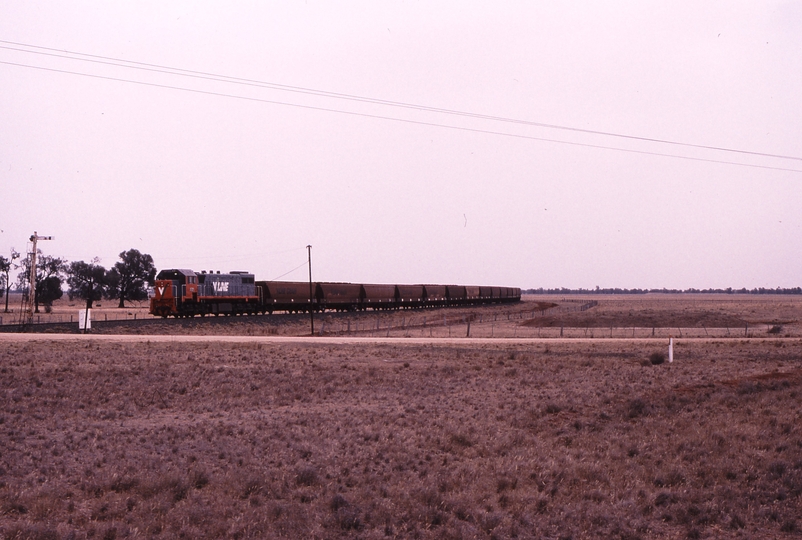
[
  {"x": 220, "y": 286},
  {"x": 185, "y": 293}
]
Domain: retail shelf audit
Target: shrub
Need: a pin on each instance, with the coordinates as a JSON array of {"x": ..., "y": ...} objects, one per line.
[
  {"x": 664, "y": 498},
  {"x": 504, "y": 483},
  {"x": 337, "y": 502},
  {"x": 736, "y": 522},
  {"x": 199, "y": 479},
  {"x": 461, "y": 440},
  {"x": 252, "y": 486},
  {"x": 348, "y": 518},
  {"x": 637, "y": 407},
  {"x": 307, "y": 477},
  {"x": 123, "y": 484},
  {"x": 553, "y": 408},
  {"x": 777, "y": 468}
]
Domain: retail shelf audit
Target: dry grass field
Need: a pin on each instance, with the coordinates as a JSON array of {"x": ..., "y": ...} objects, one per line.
[{"x": 481, "y": 439}]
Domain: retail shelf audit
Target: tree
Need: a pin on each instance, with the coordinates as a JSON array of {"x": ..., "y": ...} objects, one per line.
[
  {"x": 49, "y": 277},
  {"x": 129, "y": 278},
  {"x": 5, "y": 266},
  {"x": 87, "y": 281}
]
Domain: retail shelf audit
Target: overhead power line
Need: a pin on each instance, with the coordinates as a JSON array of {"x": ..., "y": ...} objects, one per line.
[
  {"x": 262, "y": 84},
  {"x": 72, "y": 55},
  {"x": 290, "y": 271},
  {"x": 408, "y": 121}
]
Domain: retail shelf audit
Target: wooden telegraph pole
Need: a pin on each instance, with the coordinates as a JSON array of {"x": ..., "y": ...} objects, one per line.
[
  {"x": 32, "y": 278},
  {"x": 311, "y": 295}
]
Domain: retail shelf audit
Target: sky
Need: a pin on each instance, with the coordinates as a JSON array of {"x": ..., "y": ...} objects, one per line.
[{"x": 528, "y": 144}]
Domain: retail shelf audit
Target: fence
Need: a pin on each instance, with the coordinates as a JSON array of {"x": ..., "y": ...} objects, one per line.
[
  {"x": 13, "y": 318},
  {"x": 478, "y": 327},
  {"x": 506, "y": 325},
  {"x": 482, "y": 324}
]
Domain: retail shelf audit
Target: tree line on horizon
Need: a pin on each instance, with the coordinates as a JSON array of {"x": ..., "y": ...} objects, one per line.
[
  {"x": 616, "y": 290},
  {"x": 126, "y": 281}
]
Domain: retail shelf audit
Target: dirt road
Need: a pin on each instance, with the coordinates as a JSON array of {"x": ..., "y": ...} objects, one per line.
[{"x": 138, "y": 338}]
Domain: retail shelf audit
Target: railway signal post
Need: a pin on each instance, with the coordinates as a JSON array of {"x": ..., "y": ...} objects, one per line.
[{"x": 32, "y": 278}]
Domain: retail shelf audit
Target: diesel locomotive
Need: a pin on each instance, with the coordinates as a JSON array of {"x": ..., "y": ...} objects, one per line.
[{"x": 184, "y": 293}]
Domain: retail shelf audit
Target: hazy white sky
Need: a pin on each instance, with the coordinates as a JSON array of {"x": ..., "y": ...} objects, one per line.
[{"x": 206, "y": 173}]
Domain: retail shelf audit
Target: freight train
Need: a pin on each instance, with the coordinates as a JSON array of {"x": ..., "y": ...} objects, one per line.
[{"x": 184, "y": 293}]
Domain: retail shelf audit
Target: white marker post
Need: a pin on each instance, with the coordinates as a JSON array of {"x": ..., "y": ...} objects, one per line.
[
  {"x": 84, "y": 319},
  {"x": 670, "y": 349}
]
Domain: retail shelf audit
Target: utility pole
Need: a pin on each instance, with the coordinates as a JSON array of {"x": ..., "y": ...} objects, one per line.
[
  {"x": 311, "y": 296},
  {"x": 32, "y": 278}
]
